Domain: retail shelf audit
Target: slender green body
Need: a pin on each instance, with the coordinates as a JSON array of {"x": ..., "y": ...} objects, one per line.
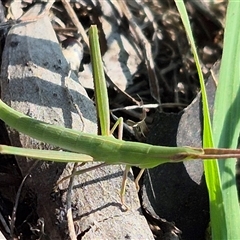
[{"x": 101, "y": 148}]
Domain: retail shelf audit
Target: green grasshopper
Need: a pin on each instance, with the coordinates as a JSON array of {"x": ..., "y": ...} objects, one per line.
[{"x": 90, "y": 147}]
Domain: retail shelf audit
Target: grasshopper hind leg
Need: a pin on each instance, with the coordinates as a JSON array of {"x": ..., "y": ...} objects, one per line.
[
  {"x": 138, "y": 178},
  {"x": 123, "y": 187},
  {"x": 124, "y": 182}
]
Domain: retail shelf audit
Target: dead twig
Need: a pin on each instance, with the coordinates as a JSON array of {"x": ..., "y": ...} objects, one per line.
[{"x": 75, "y": 20}]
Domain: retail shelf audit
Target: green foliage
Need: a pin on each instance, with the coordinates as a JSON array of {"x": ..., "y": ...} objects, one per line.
[
  {"x": 220, "y": 176},
  {"x": 226, "y": 118}
]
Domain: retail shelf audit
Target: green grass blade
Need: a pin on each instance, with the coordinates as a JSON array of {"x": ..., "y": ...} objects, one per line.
[
  {"x": 217, "y": 211},
  {"x": 207, "y": 123},
  {"x": 227, "y": 115},
  {"x": 99, "y": 82}
]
